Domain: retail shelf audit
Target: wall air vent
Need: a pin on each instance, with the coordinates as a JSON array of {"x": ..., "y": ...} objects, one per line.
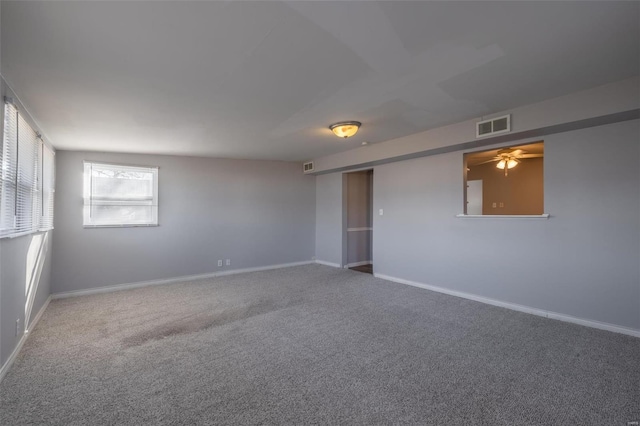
[
  {"x": 307, "y": 167},
  {"x": 493, "y": 126}
]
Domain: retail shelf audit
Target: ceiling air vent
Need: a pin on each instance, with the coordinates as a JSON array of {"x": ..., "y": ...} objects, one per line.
[
  {"x": 307, "y": 167},
  {"x": 493, "y": 126}
]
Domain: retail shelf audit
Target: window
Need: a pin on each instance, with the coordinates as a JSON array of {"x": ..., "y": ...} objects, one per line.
[
  {"x": 26, "y": 174},
  {"x": 28, "y": 196},
  {"x": 9, "y": 171},
  {"x": 506, "y": 182},
  {"x": 116, "y": 195},
  {"x": 48, "y": 177}
]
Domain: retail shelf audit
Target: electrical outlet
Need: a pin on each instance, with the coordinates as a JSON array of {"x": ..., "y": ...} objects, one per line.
[
  {"x": 18, "y": 327},
  {"x": 501, "y": 204},
  {"x": 219, "y": 262},
  {"x": 228, "y": 262},
  {"x": 493, "y": 205}
]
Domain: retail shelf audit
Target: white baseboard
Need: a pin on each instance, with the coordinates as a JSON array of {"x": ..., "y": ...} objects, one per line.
[
  {"x": 521, "y": 308},
  {"x": 139, "y": 284},
  {"x": 325, "y": 263},
  {"x": 7, "y": 365},
  {"x": 353, "y": 265}
]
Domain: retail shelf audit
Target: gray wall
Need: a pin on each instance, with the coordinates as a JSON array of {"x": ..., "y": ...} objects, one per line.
[
  {"x": 13, "y": 262},
  {"x": 13, "y": 273},
  {"x": 256, "y": 213},
  {"x": 582, "y": 262},
  {"x": 585, "y": 105},
  {"x": 329, "y": 218},
  {"x": 359, "y": 205}
]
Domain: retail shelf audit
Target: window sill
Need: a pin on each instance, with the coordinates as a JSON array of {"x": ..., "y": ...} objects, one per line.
[
  {"x": 25, "y": 233},
  {"x": 504, "y": 216},
  {"x": 121, "y": 226}
]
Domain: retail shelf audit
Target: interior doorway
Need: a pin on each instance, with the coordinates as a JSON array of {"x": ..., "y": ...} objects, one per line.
[{"x": 358, "y": 221}]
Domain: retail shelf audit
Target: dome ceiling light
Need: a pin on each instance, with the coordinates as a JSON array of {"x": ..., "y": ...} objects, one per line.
[{"x": 345, "y": 129}]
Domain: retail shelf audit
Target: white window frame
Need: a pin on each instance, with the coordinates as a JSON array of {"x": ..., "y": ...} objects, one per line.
[{"x": 88, "y": 196}]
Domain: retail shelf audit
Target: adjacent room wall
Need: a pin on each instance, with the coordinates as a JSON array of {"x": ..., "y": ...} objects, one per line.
[
  {"x": 255, "y": 213},
  {"x": 521, "y": 192},
  {"x": 581, "y": 262},
  {"x": 13, "y": 272},
  {"x": 359, "y": 205},
  {"x": 329, "y": 219}
]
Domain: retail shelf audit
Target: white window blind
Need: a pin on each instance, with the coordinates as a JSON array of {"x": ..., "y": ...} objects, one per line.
[
  {"x": 9, "y": 172},
  {"x": 117, "y": 195},
  {"x": 48, "y": 187},
  {"x": 27, "y": 213},
  {"x": 26, "y": 175}
]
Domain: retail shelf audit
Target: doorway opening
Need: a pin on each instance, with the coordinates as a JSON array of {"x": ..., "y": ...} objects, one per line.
[{"x": 358, "y": 221}]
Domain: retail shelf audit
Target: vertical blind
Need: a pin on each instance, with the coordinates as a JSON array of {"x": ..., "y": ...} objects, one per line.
[{"x": 27, "y": 178}]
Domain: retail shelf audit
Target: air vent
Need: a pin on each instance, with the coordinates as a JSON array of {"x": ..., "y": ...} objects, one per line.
[
  {"x": 493, "y": 126},
  {"x": 307, "y": 167}
]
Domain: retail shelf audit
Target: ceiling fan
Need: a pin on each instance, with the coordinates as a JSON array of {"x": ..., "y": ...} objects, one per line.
[{"x": 509, "y": 158}]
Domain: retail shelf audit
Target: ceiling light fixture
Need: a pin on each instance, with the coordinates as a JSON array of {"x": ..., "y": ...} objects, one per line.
[
  {"x": 510, "y": 163},
  {"x": 345, "y": 129},
  {"x": 507, "y": 163}
]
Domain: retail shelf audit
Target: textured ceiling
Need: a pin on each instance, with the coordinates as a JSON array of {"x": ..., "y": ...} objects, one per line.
[{"x": 264, "y": 79}]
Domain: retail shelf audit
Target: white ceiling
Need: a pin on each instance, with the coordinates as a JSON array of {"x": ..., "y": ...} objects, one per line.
[{"x": 264, "y": 79}]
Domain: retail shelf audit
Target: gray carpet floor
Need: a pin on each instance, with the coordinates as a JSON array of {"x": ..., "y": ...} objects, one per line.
[{"x": 313, "y": 345}]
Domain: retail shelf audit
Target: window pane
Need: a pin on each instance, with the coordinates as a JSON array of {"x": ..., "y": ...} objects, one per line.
[
  {"x": 121, "y": 214},
  {"x": 9, "y": 170},
  {"x": 120, "y": 195},
  {"x": 122, "y": 188},
  {"x": 48, "y": 183},
  {"x": 27, "y": 213}
]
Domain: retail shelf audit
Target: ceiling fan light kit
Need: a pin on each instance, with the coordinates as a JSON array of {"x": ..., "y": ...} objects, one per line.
[
  {"x": 510, "y": 163},
  {"x": 345, "y": 129},
  {"x": 508, "y": 158}
]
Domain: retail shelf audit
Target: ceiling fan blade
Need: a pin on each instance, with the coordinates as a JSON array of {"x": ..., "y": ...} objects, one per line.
[
  {"x": 517, "y": 152},
  {"x": 489, "y": 161},
  {"x": 531, "y": 156}
]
